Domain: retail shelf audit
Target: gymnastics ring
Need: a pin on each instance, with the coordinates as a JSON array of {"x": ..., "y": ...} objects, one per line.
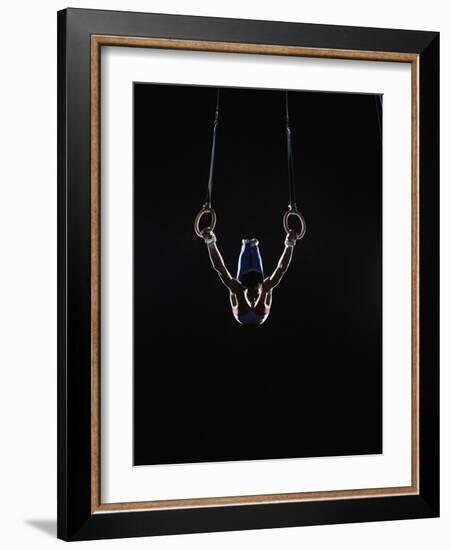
[
  {"x": 293, "y": 211},
  {"x": 202, "y": 212}
]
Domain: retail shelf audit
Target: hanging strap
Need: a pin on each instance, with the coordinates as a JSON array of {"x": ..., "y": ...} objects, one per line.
[
  {"x": 292, "y": 207},
  {"x": 291, "y": 186},
  {"x": 206, "y": 209},
  {"x": 378, "y": 100},
  {"x": 212, "y": 156}
]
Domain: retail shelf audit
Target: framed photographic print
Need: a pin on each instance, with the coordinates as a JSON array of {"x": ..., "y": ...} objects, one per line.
[{"x": 248, "y": 274}]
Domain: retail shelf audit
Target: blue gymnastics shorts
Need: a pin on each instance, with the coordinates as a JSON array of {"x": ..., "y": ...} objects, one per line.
[{"x": 250, "y": 258}]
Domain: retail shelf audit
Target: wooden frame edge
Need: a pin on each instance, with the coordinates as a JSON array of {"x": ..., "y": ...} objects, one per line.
[
  {"x": 95, "y": 276},
  {"x": 415, "y": 255},
  {"x": 237, "y": 47},
  {"x": 109, "y": 40}
]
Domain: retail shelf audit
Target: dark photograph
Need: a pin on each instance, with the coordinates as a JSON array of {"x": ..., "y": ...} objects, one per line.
[{"x": 257, "y": 273}]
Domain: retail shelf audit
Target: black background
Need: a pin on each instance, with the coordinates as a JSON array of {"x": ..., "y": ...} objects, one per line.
[{"x": 308, "y": 382}]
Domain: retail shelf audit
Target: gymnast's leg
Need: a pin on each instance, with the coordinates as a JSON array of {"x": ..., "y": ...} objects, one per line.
[{"x": 250, "y": 258}]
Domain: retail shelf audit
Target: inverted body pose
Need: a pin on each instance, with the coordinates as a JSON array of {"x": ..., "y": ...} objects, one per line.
[{"x": 250, "y": 292}]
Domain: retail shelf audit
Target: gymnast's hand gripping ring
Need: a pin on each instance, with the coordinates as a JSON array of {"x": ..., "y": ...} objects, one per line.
[
  {"x": 293, "y": 211},
  {"x": 202, "y": 212}
]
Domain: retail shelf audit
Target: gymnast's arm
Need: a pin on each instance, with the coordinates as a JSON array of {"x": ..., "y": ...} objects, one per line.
[
  {"x": 283, "y": 264},
  {"x": 218, "y": 263}
]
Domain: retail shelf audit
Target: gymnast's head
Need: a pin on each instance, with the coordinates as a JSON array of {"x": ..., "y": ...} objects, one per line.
[{"x": 252, "y": 281}]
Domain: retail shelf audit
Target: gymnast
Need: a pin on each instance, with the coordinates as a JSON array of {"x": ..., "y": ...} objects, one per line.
[{"x": 250, "y": 292}]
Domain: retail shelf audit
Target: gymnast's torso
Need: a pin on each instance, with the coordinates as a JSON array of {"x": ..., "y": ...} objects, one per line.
[{"x": 248, "y": 313}]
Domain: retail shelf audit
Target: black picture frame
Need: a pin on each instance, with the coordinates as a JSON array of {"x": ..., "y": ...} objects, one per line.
[{"x": 78, "y": 517}]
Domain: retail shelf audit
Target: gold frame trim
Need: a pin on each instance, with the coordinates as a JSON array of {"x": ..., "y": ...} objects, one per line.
[{"x": 97, "y": 41}]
